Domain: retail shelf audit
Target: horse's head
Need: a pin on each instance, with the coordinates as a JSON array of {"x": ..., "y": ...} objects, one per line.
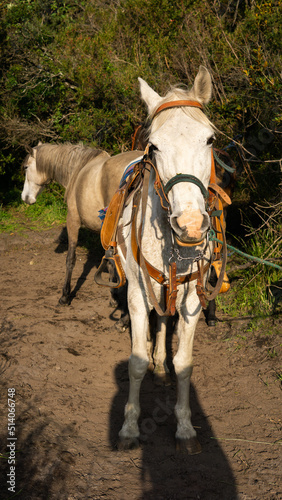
[
  {"x": 181, "y": 137},
  {"x": 34, "y": 180}
]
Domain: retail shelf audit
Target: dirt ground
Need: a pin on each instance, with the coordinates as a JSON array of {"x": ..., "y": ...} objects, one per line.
[{"x": 68, "y": 367}]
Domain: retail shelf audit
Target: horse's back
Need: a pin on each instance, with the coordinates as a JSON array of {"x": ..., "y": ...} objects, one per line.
[
  {"x": 96, "y": 184},
  {"x": 112, "y": 172}
]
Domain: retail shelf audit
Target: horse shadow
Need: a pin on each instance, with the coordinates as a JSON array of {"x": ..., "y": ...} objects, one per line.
[
  {"x": 89, "y": 240},
  {"x": 164, "y": 472}
]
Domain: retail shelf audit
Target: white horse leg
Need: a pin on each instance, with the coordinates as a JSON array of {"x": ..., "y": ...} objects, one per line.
[
  {"x": 138, "y": 363},
  {"x": 183, "y": 363},
  {"x": 161, "y": 371}
]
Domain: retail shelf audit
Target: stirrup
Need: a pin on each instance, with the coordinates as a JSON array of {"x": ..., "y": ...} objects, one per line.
[
  {"x": 225, "y": 284},
  {"x": 110, "y": 258}
]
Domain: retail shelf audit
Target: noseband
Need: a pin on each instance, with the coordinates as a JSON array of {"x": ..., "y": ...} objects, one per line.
[{"x": 186, "y": 178}]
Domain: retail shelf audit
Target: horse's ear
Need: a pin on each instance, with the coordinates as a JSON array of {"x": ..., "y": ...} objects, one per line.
[
  {"x": 39, "y": 143},
  {"x": 151, "y": 98},
  {"x": 33, "y": 152},
  {"x": 202, "y": 87}
]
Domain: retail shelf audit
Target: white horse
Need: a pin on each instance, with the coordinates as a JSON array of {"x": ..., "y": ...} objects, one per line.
[{"x": 180, "y": 139}]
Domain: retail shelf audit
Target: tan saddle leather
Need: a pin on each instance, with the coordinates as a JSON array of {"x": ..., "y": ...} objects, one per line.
[{"x": 111, "y": 263}]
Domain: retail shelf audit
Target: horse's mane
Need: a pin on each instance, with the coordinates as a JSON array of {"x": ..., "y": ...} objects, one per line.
[
  {"x": 24, "y": 163},
  {"x": 175, "y": 94},
  {"x": 62, "y": 161}
]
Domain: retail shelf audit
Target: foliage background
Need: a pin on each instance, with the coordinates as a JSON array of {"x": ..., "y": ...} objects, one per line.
[{"x": 68, "y": 72}]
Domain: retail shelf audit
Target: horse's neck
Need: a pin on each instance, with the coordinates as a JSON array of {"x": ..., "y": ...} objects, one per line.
[{"x": 61, "y": 176}]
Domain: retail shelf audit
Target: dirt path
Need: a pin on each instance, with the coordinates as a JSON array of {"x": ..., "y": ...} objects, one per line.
[{"x": 68, "y": 367}]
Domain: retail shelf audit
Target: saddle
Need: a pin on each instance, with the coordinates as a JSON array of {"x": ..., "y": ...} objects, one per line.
[{"x": 111, "y": 262}]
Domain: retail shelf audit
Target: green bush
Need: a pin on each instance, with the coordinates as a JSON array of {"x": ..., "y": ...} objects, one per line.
[{"x": 69, "y": 73}]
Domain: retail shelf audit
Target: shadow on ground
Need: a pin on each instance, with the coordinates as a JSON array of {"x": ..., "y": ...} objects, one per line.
[{"x": 164, "y": 473}]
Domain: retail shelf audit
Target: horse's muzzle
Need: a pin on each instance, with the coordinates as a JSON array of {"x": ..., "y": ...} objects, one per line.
[
  {"x": 185, "y": 240},
  {"x": 191, "y": 227},
  {"x": 30, "y": 200}
]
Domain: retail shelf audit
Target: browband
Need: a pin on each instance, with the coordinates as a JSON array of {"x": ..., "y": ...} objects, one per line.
[{"x": 176, "y": 104}]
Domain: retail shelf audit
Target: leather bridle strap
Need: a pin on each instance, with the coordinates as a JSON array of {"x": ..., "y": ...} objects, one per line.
[
  {"x": 220, "y": 279},
  {"x": 186, "y": 178},
  {"x": 177, "y": 104},
  {"x": 215, "y": 187}
]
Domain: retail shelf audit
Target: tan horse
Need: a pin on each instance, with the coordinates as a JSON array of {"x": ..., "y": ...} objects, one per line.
[{"x": 90, "y": 177}]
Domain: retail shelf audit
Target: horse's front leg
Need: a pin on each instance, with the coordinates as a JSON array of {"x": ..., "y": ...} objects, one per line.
[
  {"x": 210, "y": 313},
  {"x": 186, "y": 439},
  {"x": 138, "y": 364},
  {"x": 73, "y": 225},
  {"x": 161, "y": 371}
]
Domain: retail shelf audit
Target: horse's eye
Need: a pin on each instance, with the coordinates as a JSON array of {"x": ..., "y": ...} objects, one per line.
[
  {"x": 210, "y": 140},
  {"x": 152, "y": 150}
]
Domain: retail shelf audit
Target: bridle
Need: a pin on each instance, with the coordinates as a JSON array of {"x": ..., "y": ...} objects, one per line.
[
  {"x": 180, "y": 177},
  {"x": 211, "y": 199}
]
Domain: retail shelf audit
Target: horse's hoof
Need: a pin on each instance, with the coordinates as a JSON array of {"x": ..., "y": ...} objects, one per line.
[
  {"x": 63, "y": 301},
  {"x": 121, "y": 325},
  {"x": 211, "y": 322},
  {"x": 190, "y": 446},
  {"x": 162, "y": 379},
  {"x": 128, "y": 444}
]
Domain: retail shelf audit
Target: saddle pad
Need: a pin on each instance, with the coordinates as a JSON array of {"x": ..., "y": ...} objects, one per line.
[{"x": 127, "y": 172}]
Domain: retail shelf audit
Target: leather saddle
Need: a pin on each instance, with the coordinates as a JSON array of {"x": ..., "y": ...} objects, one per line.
[{"x": 111, "y": 263}]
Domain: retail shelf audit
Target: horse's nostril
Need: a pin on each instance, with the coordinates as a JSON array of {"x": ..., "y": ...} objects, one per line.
[
  {"x": 205, "y": 223},
  {"x": 30, "y": 200},
  {"x": 190, "y": 228}
]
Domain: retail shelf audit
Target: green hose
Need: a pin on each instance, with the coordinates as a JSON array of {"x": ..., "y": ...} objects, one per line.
[{"x": 212, "y": 237}]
